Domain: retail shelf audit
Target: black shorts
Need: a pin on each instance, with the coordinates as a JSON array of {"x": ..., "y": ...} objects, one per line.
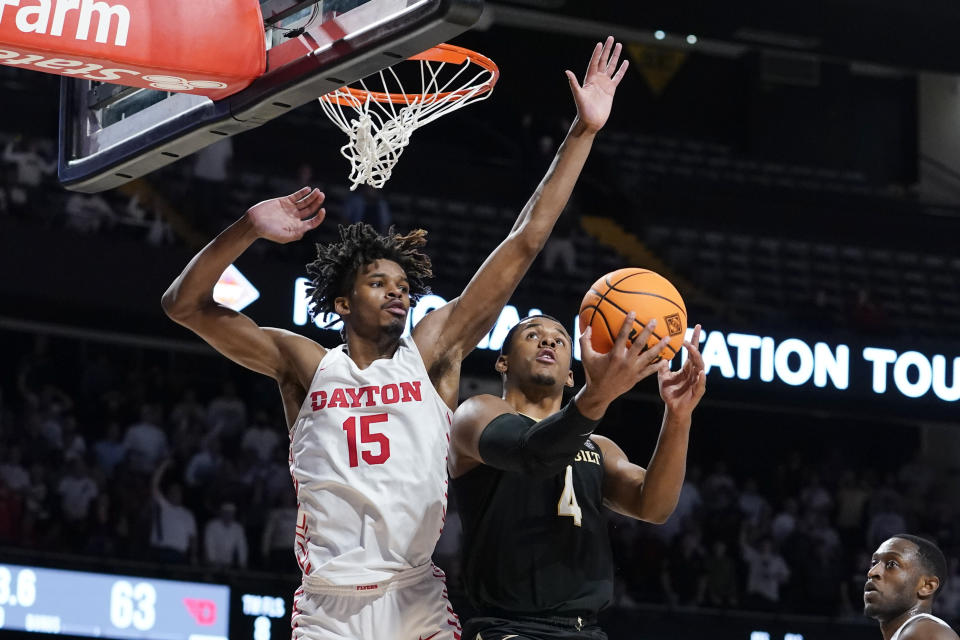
[{"x": 528, "y": 628}]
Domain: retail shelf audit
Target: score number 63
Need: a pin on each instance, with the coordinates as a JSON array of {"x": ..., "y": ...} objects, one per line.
[{"x": 133, "y": 604}]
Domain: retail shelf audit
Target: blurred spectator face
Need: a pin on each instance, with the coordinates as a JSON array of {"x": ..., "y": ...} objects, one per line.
[
  {"x": 150, "y": 413},
  {"x": 305, "y": 174},
  {"x": 719, "y": 548},
  {"x": 228, "y": 512}
]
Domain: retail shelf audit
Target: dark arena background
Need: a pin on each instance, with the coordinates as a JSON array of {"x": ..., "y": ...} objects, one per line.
[{"x": 794, "y": 168}]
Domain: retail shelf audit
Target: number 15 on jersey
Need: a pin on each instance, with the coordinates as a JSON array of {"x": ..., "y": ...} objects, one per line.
[{"x": 367, "y": 437}]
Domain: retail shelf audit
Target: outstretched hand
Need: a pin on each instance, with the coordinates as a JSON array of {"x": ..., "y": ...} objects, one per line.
[
  {"x": 612, "y": 374},
  {"x": 681, "y": 390},
  {"x": 286, "y": 219},
  {"x": 595, "y": 98}
]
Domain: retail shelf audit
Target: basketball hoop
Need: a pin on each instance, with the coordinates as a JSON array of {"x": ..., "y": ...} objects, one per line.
[{"x": 379, "y": 124}]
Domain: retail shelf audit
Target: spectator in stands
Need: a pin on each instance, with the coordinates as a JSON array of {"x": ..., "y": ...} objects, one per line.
[
  {"x": 52, "y": 414},
  {"x": 367, "y": 204},
  {"x": 823, "y": 533},
  {"x": 189, "y": 417},
  {"x": 277, "y": 537},
  {"x": 89, "y": 213},
  {"x": 785, "y": 522},
  {"x": 261, "y": 438},
  {"x": 224, "y": 540},
  {"x": 173, "y": 529},
  {"x": 720, "y": 578},
  {"x": 203, "y": 465},
  {"x": 753, "y": 506},
  {"x": 32, "y": 168},
  {"x": 227, "y": 413},
  {"x": 109, "y": 451},
  {"x": 12, "y": 472},
  {"x": 74, "y": 444},
  {"x": 276, "y": 477},
  {"x": 38, "y": 494},
  {"x": 688, "y": 506},
  {"x": 682, "y": 572},
  {"x": 77, "y": 490},
  {"x": 885, "y": 522},
  {"x": 766, "y": 572},
  {"x": 101, "y": 529},
  {"x": 145, "y": 441},
  {"x": 718, "y": 482},
  {"x": 815, "y": 496},
  {"x": 851, "y": 498}
]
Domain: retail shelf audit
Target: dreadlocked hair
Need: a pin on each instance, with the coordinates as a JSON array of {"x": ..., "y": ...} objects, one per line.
[{"x": 337, "y": 264}]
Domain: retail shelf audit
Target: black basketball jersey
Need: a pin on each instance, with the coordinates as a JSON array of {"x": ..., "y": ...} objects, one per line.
[{"x": 536, "y": 546}]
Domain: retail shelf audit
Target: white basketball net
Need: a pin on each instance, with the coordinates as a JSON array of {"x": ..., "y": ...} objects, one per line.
[{"x": 378, "y": 132}]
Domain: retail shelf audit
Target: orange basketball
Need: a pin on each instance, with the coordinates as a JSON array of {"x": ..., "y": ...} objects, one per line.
[{"x": 642, "y": 291}]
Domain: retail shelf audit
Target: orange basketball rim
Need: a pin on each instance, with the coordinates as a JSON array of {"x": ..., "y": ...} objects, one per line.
[{"x": 442, "y": 53}]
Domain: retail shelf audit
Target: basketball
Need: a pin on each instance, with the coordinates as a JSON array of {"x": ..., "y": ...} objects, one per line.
[{"x": 642, "y": 291}]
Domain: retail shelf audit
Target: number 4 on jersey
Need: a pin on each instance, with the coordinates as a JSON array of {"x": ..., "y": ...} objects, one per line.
[{"x": 568, "y": 500}]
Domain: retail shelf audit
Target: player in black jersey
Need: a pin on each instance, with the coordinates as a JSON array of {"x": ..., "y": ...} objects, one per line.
[{"x": 531, "y": 480}]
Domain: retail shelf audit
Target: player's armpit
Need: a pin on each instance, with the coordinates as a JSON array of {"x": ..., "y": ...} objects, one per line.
[
  {"x": 622, "y": 480},
  {"x": 469, "y": 421}
]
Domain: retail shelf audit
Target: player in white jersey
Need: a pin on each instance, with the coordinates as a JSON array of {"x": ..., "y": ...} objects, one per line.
[
  {"x": 369, "y": 420},
  {"x": 906, "y": 572}
]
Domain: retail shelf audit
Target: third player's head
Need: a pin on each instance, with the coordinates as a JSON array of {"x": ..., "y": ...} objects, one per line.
[
  {"x": 536, "y": 354},
  {"x": 370, "y": 279},
  {"x": 905, "y": 573}
]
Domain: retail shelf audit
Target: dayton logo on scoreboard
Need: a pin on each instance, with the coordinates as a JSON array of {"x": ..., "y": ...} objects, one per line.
[{"x": 203, "y": 611}]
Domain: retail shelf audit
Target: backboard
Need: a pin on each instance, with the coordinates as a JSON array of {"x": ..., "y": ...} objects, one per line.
[{"x": 111, "y": 134}]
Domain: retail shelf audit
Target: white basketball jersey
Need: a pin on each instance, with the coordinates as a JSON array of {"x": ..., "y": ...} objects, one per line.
[
  {"x": 919, "y": 616},
  {"x": 368, "y": 457}
]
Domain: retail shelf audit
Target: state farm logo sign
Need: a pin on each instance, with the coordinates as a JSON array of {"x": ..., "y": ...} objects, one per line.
[
  {"x": 93, "y": 71},
  {"x": 49, "y": 18},
  {"x": 150, "y": 44}
]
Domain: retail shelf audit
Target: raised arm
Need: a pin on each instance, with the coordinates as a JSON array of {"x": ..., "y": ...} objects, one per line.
[
  {"x": 155, "y": 489},
  {"x": 455, "y": 330},
  {"x": 651, "y": 494},
  {"x": 488, "y": 430},
  {"x": 189, "y": 300}
]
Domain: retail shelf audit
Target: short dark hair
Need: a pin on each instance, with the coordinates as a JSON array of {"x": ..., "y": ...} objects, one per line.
[
  {"x": 337, "y": 264},
  {"x": 508, "y": 340},
  {"x": 931, "y": 557}
]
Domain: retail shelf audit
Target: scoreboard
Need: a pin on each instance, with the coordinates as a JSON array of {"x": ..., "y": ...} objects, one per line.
[{"x": 84, "y": 604}]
